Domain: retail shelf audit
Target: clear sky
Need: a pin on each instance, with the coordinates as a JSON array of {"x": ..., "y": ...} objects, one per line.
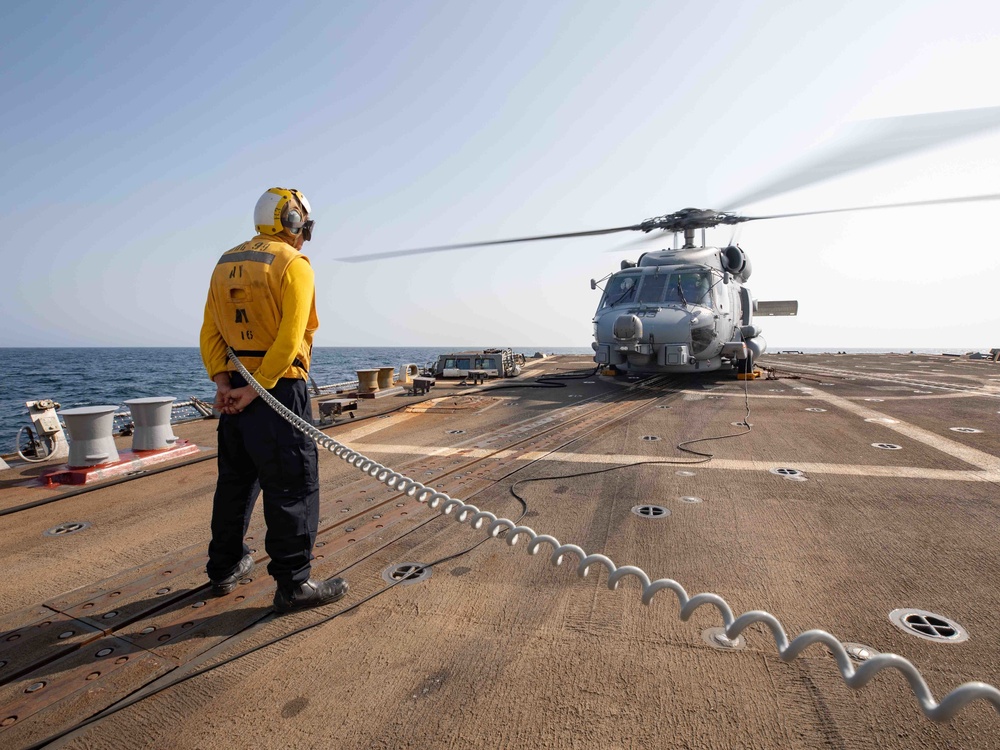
[{"x": 136, "y": 138}]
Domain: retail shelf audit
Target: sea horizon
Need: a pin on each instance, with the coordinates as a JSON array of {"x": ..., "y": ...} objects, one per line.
[
  {"x": 902, "y": 349},
  {"x": 77, "y": 376}
]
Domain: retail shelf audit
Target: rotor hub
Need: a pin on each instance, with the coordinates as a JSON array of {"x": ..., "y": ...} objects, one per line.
[{"x": 688, "y": 219}]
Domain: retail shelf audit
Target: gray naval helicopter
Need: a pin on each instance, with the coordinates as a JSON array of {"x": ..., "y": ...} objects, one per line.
[
  {"x": 687, "y": 308},
  {"x": 684, "y": 309}
]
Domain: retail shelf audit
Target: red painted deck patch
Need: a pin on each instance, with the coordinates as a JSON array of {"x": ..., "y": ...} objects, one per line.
[{"x": 129, "y": 462}]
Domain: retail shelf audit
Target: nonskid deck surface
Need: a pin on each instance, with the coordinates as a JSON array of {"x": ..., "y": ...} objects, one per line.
[{"x": 500, "y": 649}]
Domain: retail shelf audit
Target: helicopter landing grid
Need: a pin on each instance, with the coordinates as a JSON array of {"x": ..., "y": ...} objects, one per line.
[{"x": 845, "y": 504}]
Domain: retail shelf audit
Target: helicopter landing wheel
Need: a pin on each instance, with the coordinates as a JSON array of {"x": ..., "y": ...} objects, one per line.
[{"x": 745, "y": 368}]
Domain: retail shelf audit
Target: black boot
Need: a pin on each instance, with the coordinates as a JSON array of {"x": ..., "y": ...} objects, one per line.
[
  {"x": 309, "y": 594},
  {"x": 227, "y": 584}
]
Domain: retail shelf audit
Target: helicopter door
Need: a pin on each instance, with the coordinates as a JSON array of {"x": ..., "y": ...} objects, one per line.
[{"x": 746, "y": 306}]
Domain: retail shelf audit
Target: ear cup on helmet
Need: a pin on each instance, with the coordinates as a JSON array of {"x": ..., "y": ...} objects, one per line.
[{"x": 293, "y": 219}]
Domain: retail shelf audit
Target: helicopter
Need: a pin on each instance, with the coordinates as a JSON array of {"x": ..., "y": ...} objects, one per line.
[
  {"x": 687, "y": 308},
  {"x": 684, "y": 309}
]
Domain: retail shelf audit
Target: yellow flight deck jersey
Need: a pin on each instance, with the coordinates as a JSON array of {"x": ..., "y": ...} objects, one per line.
[{"x": 262, "y": 303}]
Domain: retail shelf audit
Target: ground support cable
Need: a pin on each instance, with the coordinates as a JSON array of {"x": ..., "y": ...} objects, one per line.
[{"x": 462, "y": 512}]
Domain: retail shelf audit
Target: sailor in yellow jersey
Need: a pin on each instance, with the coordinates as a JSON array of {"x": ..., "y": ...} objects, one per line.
[{"x": 262, "y": 304}]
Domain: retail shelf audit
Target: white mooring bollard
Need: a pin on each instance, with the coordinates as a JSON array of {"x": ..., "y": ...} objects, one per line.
[
  {"x": 90, "y": 439},
  {"x": 151, "y": 417}
]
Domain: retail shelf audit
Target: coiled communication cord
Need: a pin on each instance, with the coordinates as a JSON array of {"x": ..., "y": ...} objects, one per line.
[
  {"x": 170, "y": 681},
  {"x": 788, "y": 650}
]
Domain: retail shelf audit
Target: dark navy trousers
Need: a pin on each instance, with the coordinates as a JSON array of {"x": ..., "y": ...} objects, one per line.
[{"x": 258, "y": 446}]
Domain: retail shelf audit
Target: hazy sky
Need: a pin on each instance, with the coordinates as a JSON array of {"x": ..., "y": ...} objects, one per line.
[{"x": 136, "y": 138}]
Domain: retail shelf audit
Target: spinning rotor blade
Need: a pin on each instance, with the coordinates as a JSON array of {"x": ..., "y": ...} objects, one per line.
[
  {"x": 932, "y": 202},
  {"x": 875, "y": 141},
  {"x": 868, "y": 143},
  {"x": 459, "y": 246}
]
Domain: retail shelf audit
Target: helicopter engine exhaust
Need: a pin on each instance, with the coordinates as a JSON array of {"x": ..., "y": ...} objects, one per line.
[{"x": 736, "y": 262}]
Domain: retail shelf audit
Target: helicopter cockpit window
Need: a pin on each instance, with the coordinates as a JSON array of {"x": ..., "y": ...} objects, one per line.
[
  {"x": 692, "y": 288},
  {"x": 653, "y": 285},
  {"x": 620, "y": 290}
]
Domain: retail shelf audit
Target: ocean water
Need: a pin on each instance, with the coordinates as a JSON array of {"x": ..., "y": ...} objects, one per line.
[{"x": 93, "y": 376}]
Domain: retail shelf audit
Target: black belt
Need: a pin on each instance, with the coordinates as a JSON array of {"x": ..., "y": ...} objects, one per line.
[{"x": 251, "y": 353}]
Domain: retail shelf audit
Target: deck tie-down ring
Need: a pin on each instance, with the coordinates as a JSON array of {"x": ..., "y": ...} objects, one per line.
[{"x": 855, "y": 678}]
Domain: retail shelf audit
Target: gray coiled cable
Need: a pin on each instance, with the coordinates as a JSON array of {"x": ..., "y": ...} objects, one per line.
[{"x": 855, "y": 678}]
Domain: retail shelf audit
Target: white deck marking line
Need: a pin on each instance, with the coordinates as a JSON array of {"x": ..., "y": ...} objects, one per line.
[
  {"x": 525, "y": 425},
  {"x": 806, "y": 396},
  {"x": 890, "y": 378},
  {"x": 374, "y": 425},
  {"x": 724, "y": 464},
  {"x": 979, "y": 459},
  {"x": 431, "y": 405}
]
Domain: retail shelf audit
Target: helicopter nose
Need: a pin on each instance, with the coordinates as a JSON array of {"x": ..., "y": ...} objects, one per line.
[
  {"x": 669, "y": 325},
  {"x": 695, "y": 325},
  {"x": 672, "y": 325},
  {"x": 701, "y": 318}
]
